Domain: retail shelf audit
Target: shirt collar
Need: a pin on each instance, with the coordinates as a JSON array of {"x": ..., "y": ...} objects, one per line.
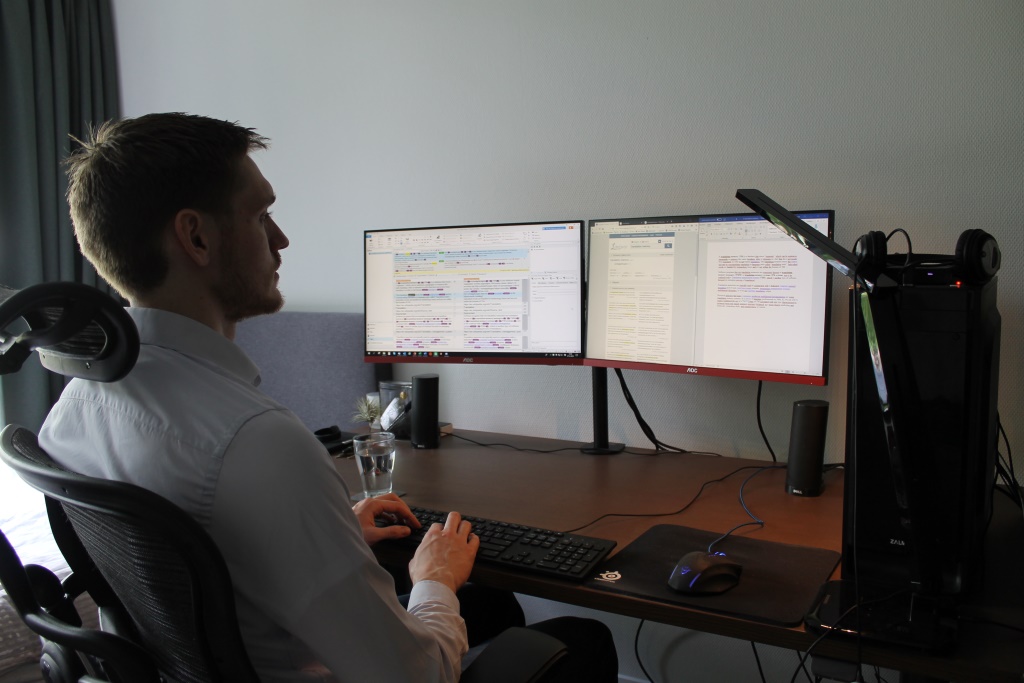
[{"x": 192, "y": 338}]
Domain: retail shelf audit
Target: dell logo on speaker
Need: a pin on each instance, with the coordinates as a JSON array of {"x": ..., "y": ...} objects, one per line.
[{"x": 692, "y": 371}]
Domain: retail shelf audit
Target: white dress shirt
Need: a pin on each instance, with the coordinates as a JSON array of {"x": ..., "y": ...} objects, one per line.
[{"x": 189, "y": 423}]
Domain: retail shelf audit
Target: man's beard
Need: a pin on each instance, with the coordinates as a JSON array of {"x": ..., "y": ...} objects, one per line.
[{"x": 240, "y": 295}]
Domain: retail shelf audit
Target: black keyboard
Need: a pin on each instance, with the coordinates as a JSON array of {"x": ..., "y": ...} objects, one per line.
[{"x": 524, "y": 548}]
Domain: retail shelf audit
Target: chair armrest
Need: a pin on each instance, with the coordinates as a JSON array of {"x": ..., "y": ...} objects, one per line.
[{"x": 517, "y": 655}]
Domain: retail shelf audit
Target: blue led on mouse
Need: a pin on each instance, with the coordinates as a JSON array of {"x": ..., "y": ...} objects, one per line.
[{"x": 704, "y": 573}]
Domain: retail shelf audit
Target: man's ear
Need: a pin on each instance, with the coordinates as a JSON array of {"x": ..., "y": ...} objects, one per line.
[{"x": 192, "y": 235}]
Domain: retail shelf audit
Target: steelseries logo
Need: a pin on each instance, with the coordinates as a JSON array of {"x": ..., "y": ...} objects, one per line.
[{"x": 691, "y": 371}]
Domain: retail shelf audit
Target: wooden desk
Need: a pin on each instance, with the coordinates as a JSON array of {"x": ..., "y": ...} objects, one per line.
[{"x": 566, "y": 490}]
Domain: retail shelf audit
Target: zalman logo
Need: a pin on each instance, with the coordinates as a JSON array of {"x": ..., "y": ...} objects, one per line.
[
  {"x": 897, "y": 541},
  {"x": 692, "y": 371}
]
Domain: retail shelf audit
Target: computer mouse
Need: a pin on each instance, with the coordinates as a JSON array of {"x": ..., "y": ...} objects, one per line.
[{"x": 702, "y": 573}]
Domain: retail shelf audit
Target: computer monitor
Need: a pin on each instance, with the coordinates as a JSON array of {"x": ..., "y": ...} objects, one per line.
[
  {"x": 708, "y": 294},
  {"x": 493, "y": 293}
]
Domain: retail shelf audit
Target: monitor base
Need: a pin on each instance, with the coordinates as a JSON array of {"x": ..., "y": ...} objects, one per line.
[{"x": 595, "y": 448}]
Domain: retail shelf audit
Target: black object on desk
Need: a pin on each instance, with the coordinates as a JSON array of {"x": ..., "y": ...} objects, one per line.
[
  {"x": 881, "y": 614},
  {"x": 334, "y": 440},
  {"x": 779, "y": 584},
  {"x": 523, "y": 548}
]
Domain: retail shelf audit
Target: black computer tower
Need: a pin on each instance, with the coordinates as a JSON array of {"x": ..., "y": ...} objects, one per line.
[{"x": 944, "y": 358}]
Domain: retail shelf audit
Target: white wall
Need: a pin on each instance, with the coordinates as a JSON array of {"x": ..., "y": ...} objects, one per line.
[
  {"x": 412, "y": 112},
  {"x": 417, "y": 113}
]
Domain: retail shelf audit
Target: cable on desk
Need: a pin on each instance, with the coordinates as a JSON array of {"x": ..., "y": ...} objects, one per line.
[
  {"x": 660, "y": 446},
  {"x": 565, "y": 448},
  {"x": 850, "y": 610},
  {"x": 764, "y": 437},
  {"x": 757, "y": 521},
  {"x": 515, "y": 448},
  {"x": 644, "y": 427},
  {"x": 667, "y": 514}
]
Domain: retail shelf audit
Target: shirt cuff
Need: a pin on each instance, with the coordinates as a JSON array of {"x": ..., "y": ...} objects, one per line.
[{"x": 435, "y": 592}]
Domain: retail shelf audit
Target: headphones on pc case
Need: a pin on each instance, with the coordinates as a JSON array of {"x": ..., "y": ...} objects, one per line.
[{"x": 976, "y": 259}]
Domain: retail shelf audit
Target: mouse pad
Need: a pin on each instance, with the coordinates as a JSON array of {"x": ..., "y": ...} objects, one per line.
[{"x": 778, "y": 586}]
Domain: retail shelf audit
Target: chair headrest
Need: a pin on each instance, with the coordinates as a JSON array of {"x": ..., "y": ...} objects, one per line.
[{"x": 77, "y": 330}]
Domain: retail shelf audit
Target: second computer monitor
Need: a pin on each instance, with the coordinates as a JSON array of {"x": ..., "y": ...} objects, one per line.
[{"x": 713, "y": 294}]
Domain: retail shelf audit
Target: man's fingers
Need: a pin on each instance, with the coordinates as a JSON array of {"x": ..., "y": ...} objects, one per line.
[
  {"x": 396, "y": 531},
  {"x": 454, "y": 525},
  {"x": 392, "y": 504},
  {"x": 453, "y": 521}
]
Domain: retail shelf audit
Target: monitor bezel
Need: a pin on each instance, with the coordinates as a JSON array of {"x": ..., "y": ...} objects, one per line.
[
  {"x": 483, "y": 358},
  {"x": 706, "y": 371}
]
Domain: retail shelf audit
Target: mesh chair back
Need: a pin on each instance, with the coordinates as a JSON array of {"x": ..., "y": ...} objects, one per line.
[
  {"x": 44, "y": 606},
  {"x": 160, "y": 563}
]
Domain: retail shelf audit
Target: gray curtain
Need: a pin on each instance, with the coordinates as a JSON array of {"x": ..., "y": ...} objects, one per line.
[{"x": 58, "y": 78}]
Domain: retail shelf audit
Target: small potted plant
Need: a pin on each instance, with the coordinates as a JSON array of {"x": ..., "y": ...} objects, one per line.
[{"x": 368, "y": 411}]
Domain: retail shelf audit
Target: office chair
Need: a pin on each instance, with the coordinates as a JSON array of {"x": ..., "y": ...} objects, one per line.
[
  {"x": 162, "y": 586},
  {"x": 160, "y": 563},
  {"x": 77, "y": 331},
  {"x": 47, "y": 607}
]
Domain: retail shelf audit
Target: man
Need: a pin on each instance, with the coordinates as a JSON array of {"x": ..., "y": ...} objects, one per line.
[{"x": 175, "y": 214}]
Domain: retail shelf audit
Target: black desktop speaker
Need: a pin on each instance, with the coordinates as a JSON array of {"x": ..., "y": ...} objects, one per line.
[
  {"x": 806, "y": 448},
  {"x": 425, "y": 430},
  {"x": 946, "y": 371}
]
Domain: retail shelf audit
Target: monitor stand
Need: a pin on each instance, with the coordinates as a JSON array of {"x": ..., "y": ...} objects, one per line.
[{"x": 600, "y": 445}]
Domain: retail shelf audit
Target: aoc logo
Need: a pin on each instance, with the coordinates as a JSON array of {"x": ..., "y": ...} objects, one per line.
[
  {"x": 691, "y": 371},
  {"x": 467, "y": 360}
]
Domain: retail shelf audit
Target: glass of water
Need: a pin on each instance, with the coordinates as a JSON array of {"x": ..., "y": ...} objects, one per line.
[{"x": 375, "y": 456}]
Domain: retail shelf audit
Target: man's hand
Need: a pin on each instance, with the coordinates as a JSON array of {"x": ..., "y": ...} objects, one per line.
[
  {"x": 446, "y": 554},
  {"x": 391, "y": 507}
]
